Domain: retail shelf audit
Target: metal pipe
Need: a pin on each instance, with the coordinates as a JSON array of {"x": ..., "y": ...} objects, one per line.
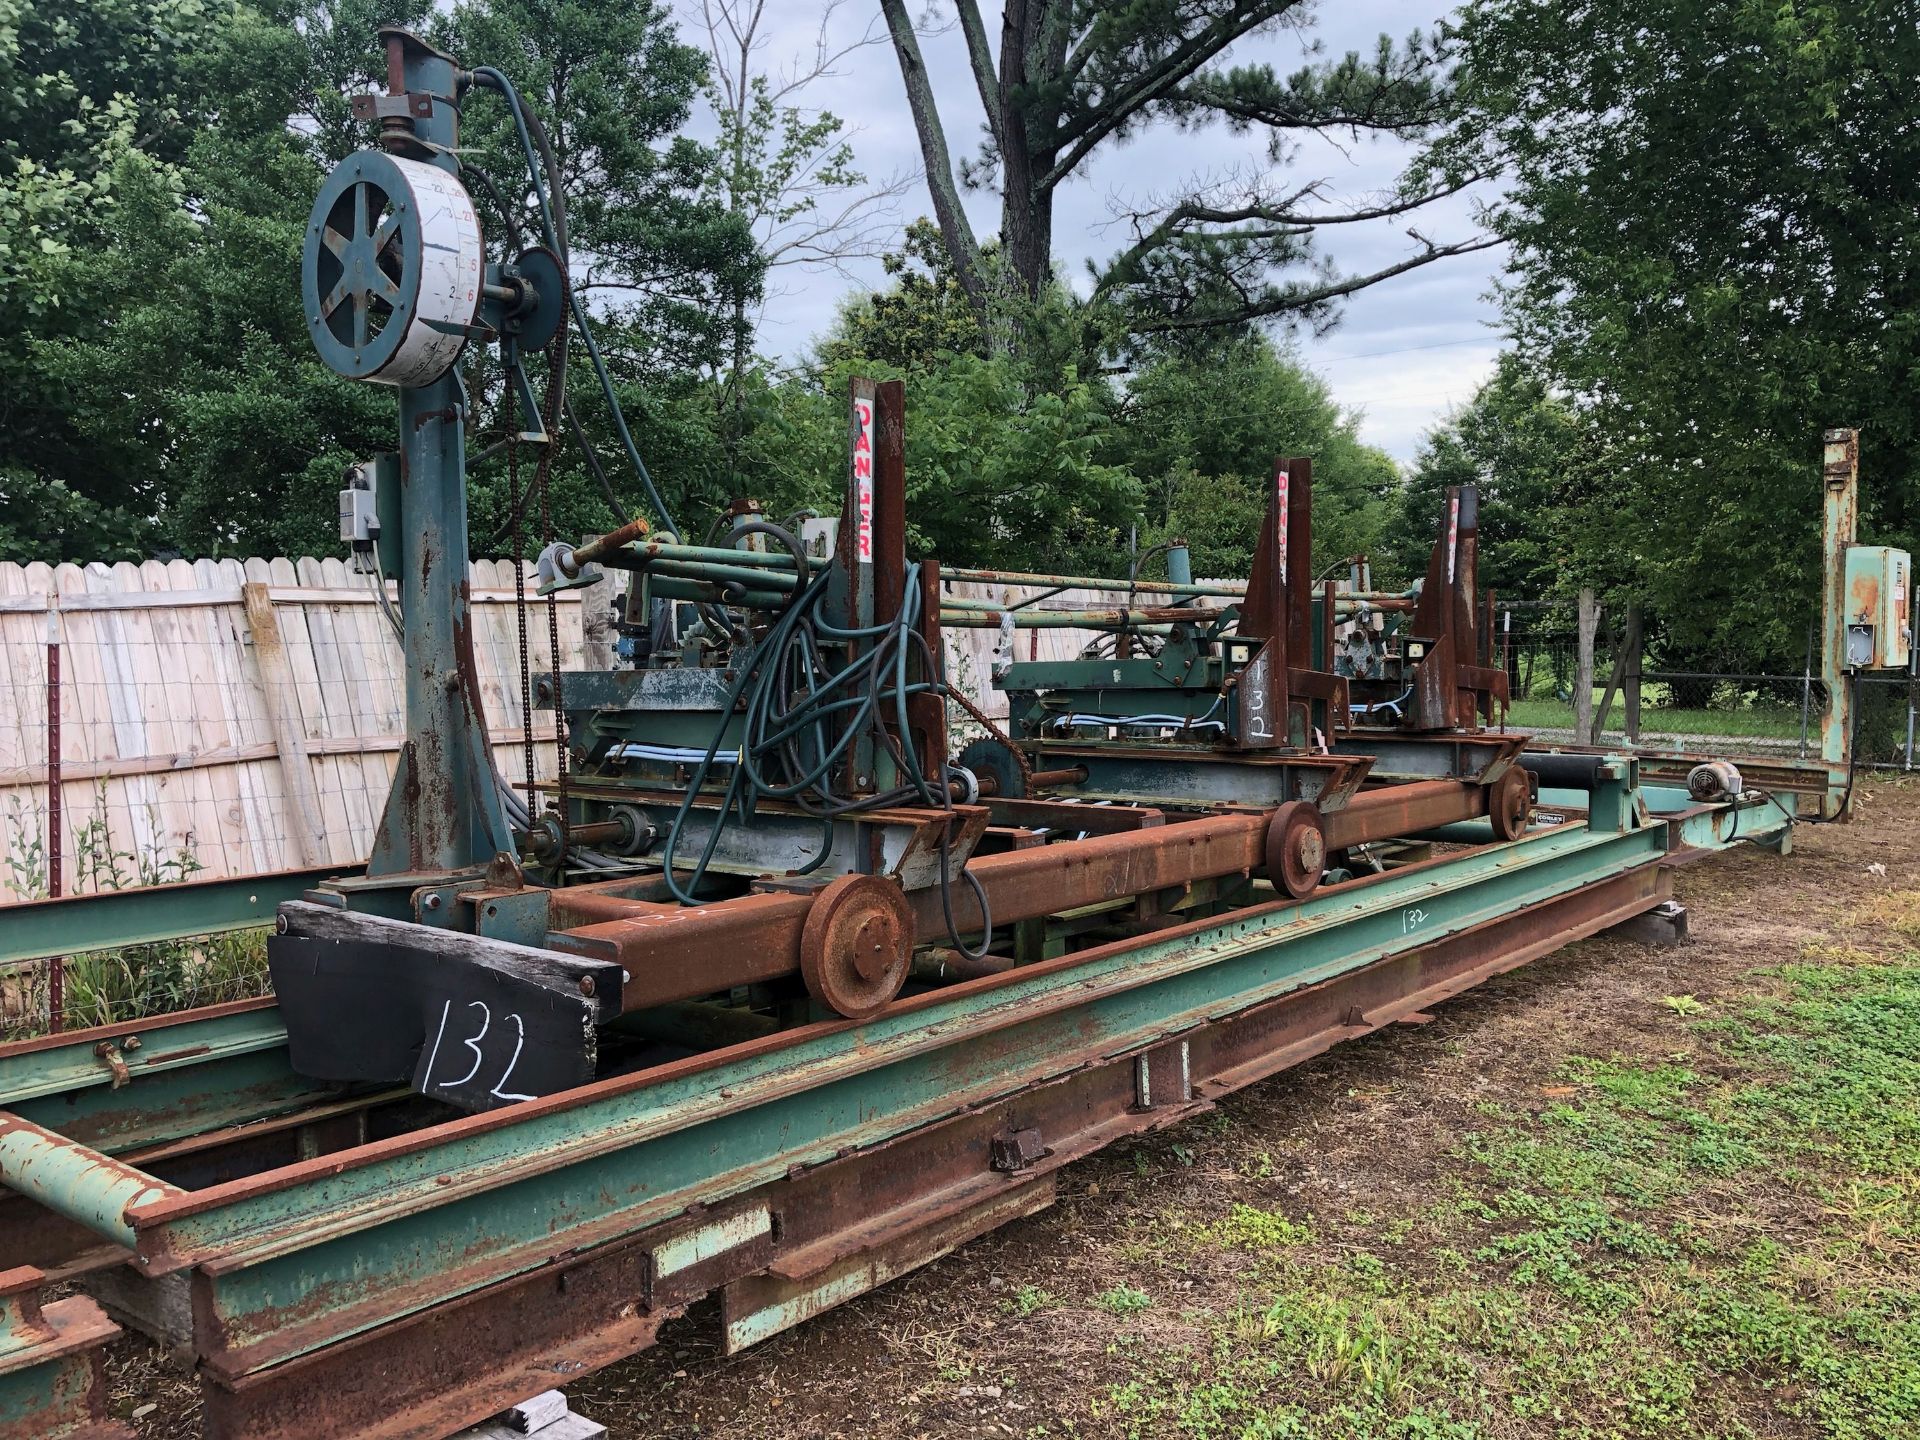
[
  {"x": 1039, "y": 779},
  {"x": 940, "y": 965},
  {"x": 56, "y": 805},
  {"x": 1227, "y": 588},
  {"x": 1076, "y": 619},
  {"x": 83, "y": 1185},
  {"x": 1071, "y": 775},
  {"x": 1395, "y": 810},
  {"x": 669, "y": 589},
  {"x": 718, "y": 574},
  {"x": 657, "y": 551},
  {"x": 601, "y": 546}
]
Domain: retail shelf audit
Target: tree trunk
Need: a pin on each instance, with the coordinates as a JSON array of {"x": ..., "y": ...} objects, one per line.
[
  {"x": 955, "y": 230},
  {"x": 1022, "y": 229}
]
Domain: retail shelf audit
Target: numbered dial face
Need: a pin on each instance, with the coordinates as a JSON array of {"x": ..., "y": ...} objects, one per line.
[{"x": 391, "y": 275}]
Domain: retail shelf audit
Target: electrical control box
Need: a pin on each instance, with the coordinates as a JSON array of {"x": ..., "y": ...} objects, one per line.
[
  {"x": 359, "y": 525},
  {"x": 1879, "y": 622}
]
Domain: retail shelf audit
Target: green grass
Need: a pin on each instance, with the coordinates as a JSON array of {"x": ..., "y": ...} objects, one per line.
[
  {"x": 1771, "y": 722},
  {"x": 104, "y": 986},
  {"x": 1123, "y": 1300},
  {"x": 1724, "y": 1243}
]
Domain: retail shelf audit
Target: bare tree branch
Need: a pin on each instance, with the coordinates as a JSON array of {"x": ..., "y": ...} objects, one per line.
[
  {"x": 1282, "y": 302},
  {"x": 980, "y": 57}
]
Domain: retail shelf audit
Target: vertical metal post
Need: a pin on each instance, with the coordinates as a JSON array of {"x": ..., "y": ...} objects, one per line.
[
  {"x": 444, "y": 811},
  {"x": 56, "y": 964},
  {"x": 1840, "y": 472},
  {"x": 1179, "y": 567},
  {"x": 1636, "y": 647},
  {"x": 1262, "y": 697},
  {"x": 1506, "y": 664},
  {"x": 1913, "y": 674},
  {"x": 859, "y": 543},
  {"x": 1298, "y": 615},
  {"x": 1806, "y": 690}
]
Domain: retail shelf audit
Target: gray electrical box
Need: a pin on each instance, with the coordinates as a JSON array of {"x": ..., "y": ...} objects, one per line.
[{"x": 359, "y": 523}]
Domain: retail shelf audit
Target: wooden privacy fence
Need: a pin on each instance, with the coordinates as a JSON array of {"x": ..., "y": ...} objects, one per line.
[
  {"x": 219, "y": 717},
  {"x": 223, "y": 717}
]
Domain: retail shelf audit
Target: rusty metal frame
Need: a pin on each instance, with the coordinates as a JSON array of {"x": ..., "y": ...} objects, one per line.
[{"x": 530, "y": 1232}]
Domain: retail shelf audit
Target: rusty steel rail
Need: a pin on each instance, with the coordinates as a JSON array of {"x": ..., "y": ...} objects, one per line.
[
  {"x": 673, "y": 953},
  {"x": 477, "y": 1256},
  {"x": 53, "y": 1384}
]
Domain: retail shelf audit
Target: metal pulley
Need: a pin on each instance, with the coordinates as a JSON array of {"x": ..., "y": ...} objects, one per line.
[{"x": 392, "y": 270}]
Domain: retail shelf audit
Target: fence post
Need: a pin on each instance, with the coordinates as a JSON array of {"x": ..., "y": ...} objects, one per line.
[
  {"x": 1616, "y": 672},
  {"x": 283, "y": 714},
  {"x": 1806, "y": 691},
  {"x": 1583, "y": 670},
  {"x": 56, "y": 964},
  {"x": 1913, "y": 673},
  {"x": 1840, "y": 472}
]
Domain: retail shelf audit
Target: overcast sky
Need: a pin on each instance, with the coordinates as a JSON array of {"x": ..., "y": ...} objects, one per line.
[{"x": 1404, "y": 352}]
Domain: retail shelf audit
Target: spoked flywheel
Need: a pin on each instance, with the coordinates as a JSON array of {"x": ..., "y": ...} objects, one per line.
[{"x": 392, "y": 269}]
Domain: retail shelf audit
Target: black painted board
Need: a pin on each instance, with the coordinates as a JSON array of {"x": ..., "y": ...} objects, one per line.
[{"x": 463, "y": 1031}]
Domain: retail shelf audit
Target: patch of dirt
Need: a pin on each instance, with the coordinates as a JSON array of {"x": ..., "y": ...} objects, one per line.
[{"x": 1005, "y": 1338}]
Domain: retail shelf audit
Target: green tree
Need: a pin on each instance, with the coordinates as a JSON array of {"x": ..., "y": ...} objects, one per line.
[
  {"x": 1529, "y": 452},
  {"x": 615, "y": 86},
  {"x": 919, "y": 321},
  {"x": 159, "y": 389},
  {"x": 663, "y": 262},
  {"x": 1714, "y": 207},
  {"x": 81, "y": 89},
  {"x": 787, "y": 171},
  {"x": 1204, "y": 433},
  {"x": 1070, "y": 77}
]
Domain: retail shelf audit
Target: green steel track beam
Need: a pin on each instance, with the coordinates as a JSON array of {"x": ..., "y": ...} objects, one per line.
[
  {"x": 34, "y": 929},
  {"x": 52, "y": 1379},
  {"x": 338, "y": 1246}
]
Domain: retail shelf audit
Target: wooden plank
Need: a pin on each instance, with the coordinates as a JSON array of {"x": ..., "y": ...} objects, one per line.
[
  {"x": 130, "y": 600},
  {"x": 308, "y": 831},
  {"x": 266, "y": 830},
  {"x": 349, "y": 778},
  {"x": 202, "y": 729},
  {"x": 132, "y": 673},
  {"x": 172, "y": 726},
  {"x": 296, "y": 635}
]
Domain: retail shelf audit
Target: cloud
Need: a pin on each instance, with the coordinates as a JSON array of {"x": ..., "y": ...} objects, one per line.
[{"x": 1402, "y": 354}]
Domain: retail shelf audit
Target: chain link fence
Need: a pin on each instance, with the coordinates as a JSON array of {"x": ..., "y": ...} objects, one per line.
[{"x": 1694, "y": 710}]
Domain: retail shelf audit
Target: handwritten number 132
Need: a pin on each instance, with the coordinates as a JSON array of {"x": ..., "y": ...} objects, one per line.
[{"x": 499, "y": 1091}]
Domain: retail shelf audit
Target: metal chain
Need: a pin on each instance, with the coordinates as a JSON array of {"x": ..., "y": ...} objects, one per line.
[
  {"x": 1019, "y": 755},
  {"x": 520, "y": 613},
  {"x": 542, "y": 474}
]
